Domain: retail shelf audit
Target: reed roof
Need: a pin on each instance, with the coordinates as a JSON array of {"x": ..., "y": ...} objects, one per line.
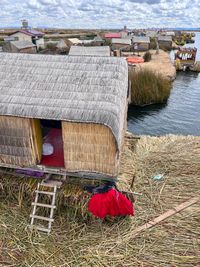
[
  {"x": 141, "y": 39},
  {"x": 125, "y": 41},
  {"x": 103, "y": 51},
  {"x": 68, "y": 88}
]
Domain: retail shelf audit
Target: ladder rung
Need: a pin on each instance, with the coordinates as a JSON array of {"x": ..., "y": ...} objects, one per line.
[
  {"x": 41, "y": 218},
  {"x": 45, "y": 192},
  {"x": 51, "y": 183},
  {"x": 43, "y": 205},
  {"x": 42, "y": 229}
]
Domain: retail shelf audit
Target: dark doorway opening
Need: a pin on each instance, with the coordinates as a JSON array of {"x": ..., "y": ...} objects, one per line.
[{"x": 53, "y": 151}]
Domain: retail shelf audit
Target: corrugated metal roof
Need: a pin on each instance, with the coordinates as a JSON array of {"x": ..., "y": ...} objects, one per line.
[
  {"x": 36, "y": 33},
  {"x": 32, "y": 33},
  {"x": 141, "y": 39},
  {"x": 121, "y": 41},
  {"x": 22, "y": 44},
  {"x": 112, "y": 35},
  {"x": 103, "y": 51}
]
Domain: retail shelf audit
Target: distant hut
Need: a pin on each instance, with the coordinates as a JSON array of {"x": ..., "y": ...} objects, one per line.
[
  {"x": 98, "y": 41},
  {"x": 103, "y": 51},
  {"x": 151, "y": 34},
  {"x": 165, "y": 42},
  {"x": 76, "y": 105},
  {"x": 62, "y": 47},
  {"x": 31, "y": 35},
  {"x": 118, "y": 43},
  {"x": 141, "y": 43},
  {"x": 73, "y": 41},
  {"x": 20, "y": 47}
]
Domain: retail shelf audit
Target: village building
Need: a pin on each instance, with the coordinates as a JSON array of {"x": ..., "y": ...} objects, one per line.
[
  {"x": 119, "y": 43},
  {"x": 30, "y": 35},
  {"x": 87, "y": 42},
  {"x": 73, "y": 108},
  {"x": 165, "y": 42},
  {"x": 20, "y": 47},
  {"x": 73, "y": 41},
  {"x": 98, "y": 41},
  {"x": 62, "y": 47},
  {"x": 171, "y": 33},
  {"x": 112, "y": 35},
  {"x": 103, "y": 51},
  {"x": 151, "y": 34},
  {"x": 141, "y": 43},
  {"x": 124, "y": 33}
]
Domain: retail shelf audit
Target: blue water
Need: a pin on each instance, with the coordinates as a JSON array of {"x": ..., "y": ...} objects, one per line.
[{"x": 181, "y": 113}]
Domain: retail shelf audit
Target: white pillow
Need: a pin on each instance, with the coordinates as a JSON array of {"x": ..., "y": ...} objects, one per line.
[{"x": 47, "y": 149}]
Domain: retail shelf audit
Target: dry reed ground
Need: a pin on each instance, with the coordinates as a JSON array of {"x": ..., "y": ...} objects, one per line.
[
  {"x": 81, "y": 241},
  {"x": 160, "y": 63}
]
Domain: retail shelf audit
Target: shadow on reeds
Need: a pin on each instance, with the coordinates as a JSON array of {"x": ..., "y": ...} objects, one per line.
[{"x": 148, "y": 87}]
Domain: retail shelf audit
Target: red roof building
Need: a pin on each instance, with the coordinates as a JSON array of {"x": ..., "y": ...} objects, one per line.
[{"x": 112, "y": 35}]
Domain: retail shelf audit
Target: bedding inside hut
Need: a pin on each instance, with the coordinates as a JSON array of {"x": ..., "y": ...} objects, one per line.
[{"x": 56, "y": 159}]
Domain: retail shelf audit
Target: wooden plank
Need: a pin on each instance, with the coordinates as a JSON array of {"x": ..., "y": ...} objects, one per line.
[
  {"x": 41, "y": 218},
  {"x": 43, "y": 205},
  {"x": 45, "y": 192},
  {"x": 166, "y": 215}
]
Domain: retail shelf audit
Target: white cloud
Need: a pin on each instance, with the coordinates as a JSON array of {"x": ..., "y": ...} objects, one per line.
[{"x": 101, "y": 13}]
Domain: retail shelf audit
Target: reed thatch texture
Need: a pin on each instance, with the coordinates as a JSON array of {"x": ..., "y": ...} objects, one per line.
[
  {"x": 89, "y": 147},
  {"x": 16, "y": 143},
  {"x": 66, "y": 88},
  {"x": 103, "y": 51}
]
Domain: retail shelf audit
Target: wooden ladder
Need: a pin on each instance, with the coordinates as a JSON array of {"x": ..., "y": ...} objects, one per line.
[{"x": 50, "y": 184}]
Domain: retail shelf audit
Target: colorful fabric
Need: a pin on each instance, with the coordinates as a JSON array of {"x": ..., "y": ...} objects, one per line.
[{"x": 112, "y": 203}]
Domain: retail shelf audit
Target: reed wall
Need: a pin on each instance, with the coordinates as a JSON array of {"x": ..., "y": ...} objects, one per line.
[
  {"x": 16, "y": 142},
  {"x": 89, "y": 147}
]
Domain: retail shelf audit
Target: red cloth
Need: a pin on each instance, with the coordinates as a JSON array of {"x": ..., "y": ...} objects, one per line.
[{"x": 112, "y": 203}]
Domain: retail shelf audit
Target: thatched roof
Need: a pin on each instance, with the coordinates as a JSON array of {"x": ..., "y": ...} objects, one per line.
[
  {"x": 69, "y": 88},
  {"x": 103, "y": 51},
  {"x": 141, "y": 39},
  {"x": 125, "y": 41},
  {"x": 164, "y": 38},
  {"x": 74, "y": 41}
]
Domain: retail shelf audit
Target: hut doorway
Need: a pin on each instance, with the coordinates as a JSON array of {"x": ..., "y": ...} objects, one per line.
[{"x": 53, "y": 152}]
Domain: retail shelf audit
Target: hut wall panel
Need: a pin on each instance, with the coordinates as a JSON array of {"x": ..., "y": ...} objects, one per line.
[
  {"x": 16, "y": 144},
  {"x": 89, "y": 147}
]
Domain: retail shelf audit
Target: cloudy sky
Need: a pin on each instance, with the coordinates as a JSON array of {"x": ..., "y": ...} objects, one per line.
[{"x": 101, "y": 13}]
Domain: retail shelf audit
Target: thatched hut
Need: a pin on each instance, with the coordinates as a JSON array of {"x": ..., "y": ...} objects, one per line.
[
  {"x": 99, "y": 51},
  {"x": 76, "y": 104}
]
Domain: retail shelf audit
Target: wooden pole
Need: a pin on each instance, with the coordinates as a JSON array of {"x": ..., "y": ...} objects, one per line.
[{"x": 166, "y": 215}]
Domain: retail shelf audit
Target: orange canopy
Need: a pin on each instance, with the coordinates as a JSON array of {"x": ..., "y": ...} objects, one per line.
[{"x": 133, "y": 60}]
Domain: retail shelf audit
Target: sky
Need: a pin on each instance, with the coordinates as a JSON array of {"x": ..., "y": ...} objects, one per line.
[{"x": 101, "y": 14}]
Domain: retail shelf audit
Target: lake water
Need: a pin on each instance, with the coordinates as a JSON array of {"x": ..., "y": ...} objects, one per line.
[{"x": 181, "y": 113}]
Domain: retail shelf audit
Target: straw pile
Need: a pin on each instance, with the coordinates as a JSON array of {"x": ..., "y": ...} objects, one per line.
[{"x": 81, "y": 241}]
